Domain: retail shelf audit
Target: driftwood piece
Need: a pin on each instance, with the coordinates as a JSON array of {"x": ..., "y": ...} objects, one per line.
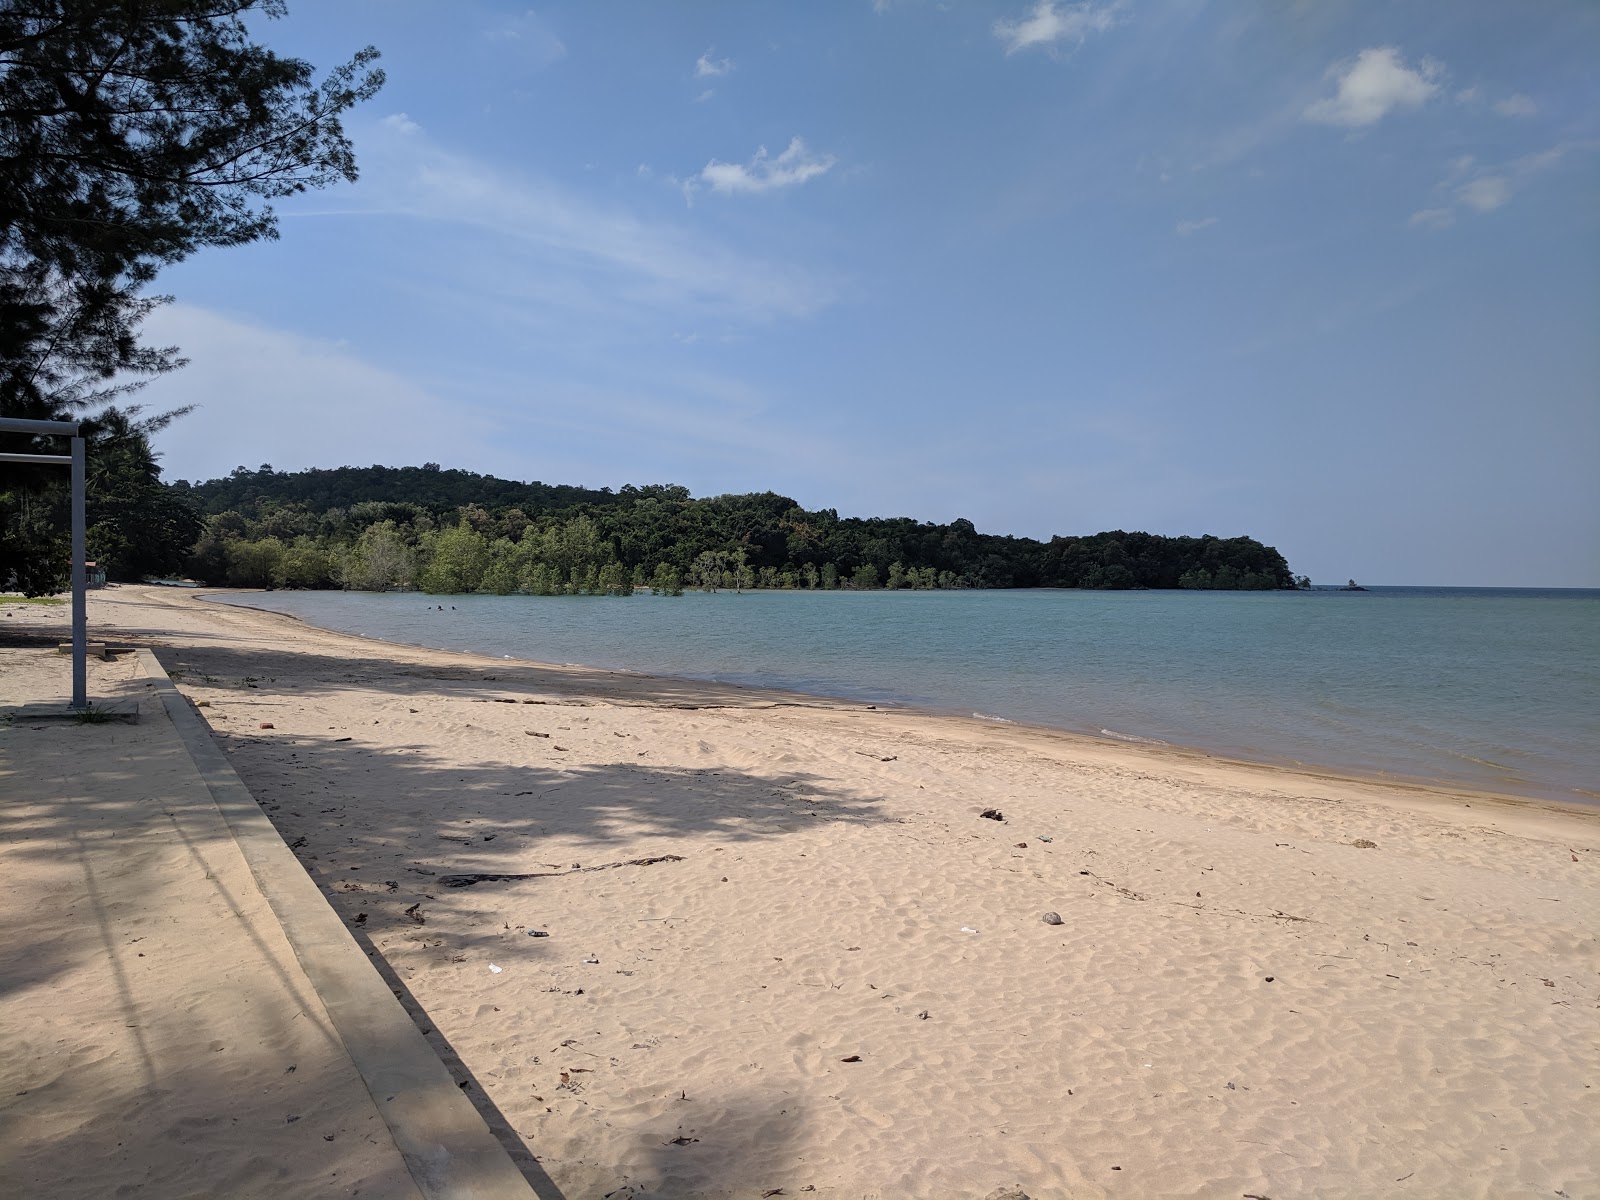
[{"x": 468, "y": 880}]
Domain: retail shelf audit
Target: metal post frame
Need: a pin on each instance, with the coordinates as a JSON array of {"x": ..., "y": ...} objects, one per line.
[
  {"x": 80, "y": 617},
  {"x": 44, "y": 428},
  {"x": 80, "y": 624}
]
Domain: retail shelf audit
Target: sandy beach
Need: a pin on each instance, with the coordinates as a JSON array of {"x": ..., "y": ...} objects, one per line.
[{"x": 782, "y": 949}]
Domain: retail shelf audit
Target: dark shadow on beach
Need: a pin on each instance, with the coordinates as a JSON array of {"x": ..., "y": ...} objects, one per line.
[
  {"x": 736, "y": 1143},
  {"x": 107, "y": 818},
  {"x": 378, "y": 827}
]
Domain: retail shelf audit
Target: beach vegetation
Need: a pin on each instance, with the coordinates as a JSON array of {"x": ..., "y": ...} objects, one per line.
[
  {"x": 707, "y": 569},
  {"x": 304, "y": 564},
  {"x": 254, "y": 563},
  {"x": 666, "y": 581},
  {"x": 382, "y": 559},
  {"x": 457, "y": 560},
  {"x": 135, "y": 525}
]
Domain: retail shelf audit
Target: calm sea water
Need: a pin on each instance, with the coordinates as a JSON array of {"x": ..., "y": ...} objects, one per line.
[{"x": 1492, "y": 688}]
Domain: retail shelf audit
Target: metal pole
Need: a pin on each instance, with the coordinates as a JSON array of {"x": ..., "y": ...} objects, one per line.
[{"x": 80, "y": 630}]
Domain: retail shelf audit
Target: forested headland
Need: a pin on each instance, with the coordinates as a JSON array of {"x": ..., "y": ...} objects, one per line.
[{"x": 447, "y": 531}]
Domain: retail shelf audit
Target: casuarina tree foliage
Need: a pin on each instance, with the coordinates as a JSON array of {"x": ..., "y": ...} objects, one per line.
[{"x": 133, "y": 133}]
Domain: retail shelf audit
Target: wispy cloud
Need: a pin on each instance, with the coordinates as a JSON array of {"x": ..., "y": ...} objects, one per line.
[
  {"x": 1432, "y": 218},
  {"x": 1482, "y": 189},
  {"x": 401, "y": 123},
  {"x": 1185, "y": 228},
  {"x": 1485, "y": 193},
  {"x": 797, "y": 164},
  {"x": 605, "y": 256},
  {"x": 706, "y": 67},
  {"x": 1050, "y": 22},
  {"x": 1516, "y": 105},
  {"x": 1373, "y": 84},
  {"x": 1545, "y": 159}
]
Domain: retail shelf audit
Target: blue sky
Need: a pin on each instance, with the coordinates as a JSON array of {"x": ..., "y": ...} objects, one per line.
[{"x": 1323, "y": 273}]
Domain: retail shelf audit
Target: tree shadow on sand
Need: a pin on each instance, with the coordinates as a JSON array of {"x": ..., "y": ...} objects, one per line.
[
  {"x": 100, "y": 830},
  {"x": 377, "y": 826}
]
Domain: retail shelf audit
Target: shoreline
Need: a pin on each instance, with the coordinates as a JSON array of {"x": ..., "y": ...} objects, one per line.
[
  {"x": 1439, "y": 788},
  {"x": 785, "y": 944}
]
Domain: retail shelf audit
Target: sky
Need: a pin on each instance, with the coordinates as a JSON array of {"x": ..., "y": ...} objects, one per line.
[{"x": 1324, "y": 273}]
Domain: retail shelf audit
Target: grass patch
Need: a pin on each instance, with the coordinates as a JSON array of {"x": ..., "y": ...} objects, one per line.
[
  {"x": 94, "y": 716},
  {"x": 5, "y": 599}
]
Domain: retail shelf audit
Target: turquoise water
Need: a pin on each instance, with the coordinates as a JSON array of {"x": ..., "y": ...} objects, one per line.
[{"x": 1490, "y": 688}]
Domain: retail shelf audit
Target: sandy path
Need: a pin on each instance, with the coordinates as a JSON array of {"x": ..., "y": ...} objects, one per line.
[
  {"x": 158, "y": 1037},
  {"x": 1429, "y": 1025}
]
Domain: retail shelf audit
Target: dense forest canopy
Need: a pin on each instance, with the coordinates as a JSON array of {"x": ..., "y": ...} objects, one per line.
[{"x": 455, "y": 531}]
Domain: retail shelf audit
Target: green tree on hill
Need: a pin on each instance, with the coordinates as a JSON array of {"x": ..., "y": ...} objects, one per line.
[
  {"x": 379, "y": 560},
  {"x": 457, "y": 561},
  {"x": 666, "y": 581}
]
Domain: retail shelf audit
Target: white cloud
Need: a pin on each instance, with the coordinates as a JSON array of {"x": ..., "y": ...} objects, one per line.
[
  {"x": 705, "y": 95},
  {"x": 401, "y": 123},
  {"x": 794, "y": 166},
  {"x": 1485, "y": 193},
  {"x": 706, "y": 67},
  {"x": 1432, "y": 218},
  {"x": 1185, "y": 228},
  {"x": 1516, "y": 105},
  {"x": 1371, "y": 85},
  {"x": 1050, "y": 22}
]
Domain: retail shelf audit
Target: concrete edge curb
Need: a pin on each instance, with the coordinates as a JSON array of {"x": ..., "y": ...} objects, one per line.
[{"x": 450, "y": 1152}]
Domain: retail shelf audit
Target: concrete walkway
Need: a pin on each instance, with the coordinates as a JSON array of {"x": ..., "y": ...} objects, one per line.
[{"x": 181, "y": 1012}]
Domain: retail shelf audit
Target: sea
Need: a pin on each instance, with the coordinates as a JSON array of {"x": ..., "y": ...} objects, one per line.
[{"x": 1488, "y": 688}]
